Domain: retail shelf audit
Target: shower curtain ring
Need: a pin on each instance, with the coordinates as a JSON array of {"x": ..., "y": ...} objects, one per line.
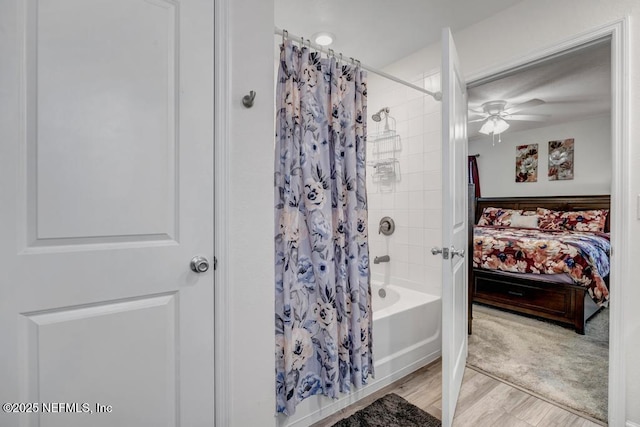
[{"x": 284, "y": 35}]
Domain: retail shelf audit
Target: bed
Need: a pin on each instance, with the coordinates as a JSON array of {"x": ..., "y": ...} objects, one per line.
[{"x": 577, "y": 289}]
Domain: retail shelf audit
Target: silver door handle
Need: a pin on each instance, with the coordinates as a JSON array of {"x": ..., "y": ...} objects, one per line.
[
  {"x": 459, "y": 252},
  {"x": 199, "y": 264},
  {"x": 443, "y": 251}
]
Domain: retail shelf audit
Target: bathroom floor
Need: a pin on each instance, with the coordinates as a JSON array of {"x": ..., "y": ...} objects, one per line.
[{"x": 484, "y": 401}]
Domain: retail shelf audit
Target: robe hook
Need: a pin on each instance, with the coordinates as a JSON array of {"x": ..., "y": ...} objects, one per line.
[{"x": 247, "y": 100}]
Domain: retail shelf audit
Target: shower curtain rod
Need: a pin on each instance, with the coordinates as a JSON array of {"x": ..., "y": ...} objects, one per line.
[{"x": 436, "y": 95}]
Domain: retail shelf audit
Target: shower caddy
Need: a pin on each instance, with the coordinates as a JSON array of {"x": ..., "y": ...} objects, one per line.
[{"x": 385, "y": 144}]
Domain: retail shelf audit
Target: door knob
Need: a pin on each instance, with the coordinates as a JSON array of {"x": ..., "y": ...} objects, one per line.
[
  {"x": 459, "y": 252},
  {"x": 199, "y": 264},
  {"x": 443, "y": 251}
]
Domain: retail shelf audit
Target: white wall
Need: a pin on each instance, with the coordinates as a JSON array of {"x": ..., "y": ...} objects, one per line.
[
  {"x": 251, "y": 348},
  {"x": 413, "y": 198},
  {"x": 527, "y": 26},
  {"x": 592, "y": 160}
]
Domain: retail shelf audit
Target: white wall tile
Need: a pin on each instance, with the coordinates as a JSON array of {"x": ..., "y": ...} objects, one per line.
[
  {"x": 416, "y": 254},
  {"x": 415, "y": 108},
  {"x": 432, "y": 161},
  {"x": 416, "y": 236},
  {"x": 416, "y": 199},
  {"x": 432, "y": 180},
  {"x": 401, "y": 235},
  {"x": 411, "y": 194},
  {"x": 432, "y": 121},
  {"x": 403, "y": 183},
  {"x": 416, "y": 218},
  {"x": 415, "y": 145},
  {"x": 416, "y": 182},
  {"x": 416, "y": 273},
  {"x": 415, "y": 126},
  {"x": 415, "y": 164},
  {"x": 401, "y": 200},
  {"x": 399, "y": 269},
  {"x": 433, "y": 218},
  {"x": 432, "y": 199},
  {"x": 400, "y": 252}
]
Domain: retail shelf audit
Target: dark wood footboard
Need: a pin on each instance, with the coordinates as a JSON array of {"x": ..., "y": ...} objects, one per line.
[{"x": 568, "y": 304}]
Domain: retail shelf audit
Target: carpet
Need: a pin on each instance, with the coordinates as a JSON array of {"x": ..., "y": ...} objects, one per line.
[
  {"x": 549, "y": 360},
  {"x": 390, "y": 411}
]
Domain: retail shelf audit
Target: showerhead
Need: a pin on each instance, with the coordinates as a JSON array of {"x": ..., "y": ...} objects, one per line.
[{"x": 378, "y": 116}]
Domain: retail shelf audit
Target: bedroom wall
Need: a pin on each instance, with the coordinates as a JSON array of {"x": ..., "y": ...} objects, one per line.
[{"x": 592, "y": 160}]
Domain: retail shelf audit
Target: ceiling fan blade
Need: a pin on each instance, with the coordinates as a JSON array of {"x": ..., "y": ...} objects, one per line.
[
  {"x": 477, "y": 120},
  {"x": 528, "y": 117},
  {"x": 523, "y": 106}
]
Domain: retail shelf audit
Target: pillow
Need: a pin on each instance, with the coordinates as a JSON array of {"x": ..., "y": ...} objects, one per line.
[
  {"x": 593, "y": 220},
  {"x": 524, "y": 221},
  {"x": 497, "y": 216},
  {"x": 548, "y": 219}
]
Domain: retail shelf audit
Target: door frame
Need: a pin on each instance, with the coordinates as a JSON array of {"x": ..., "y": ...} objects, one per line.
[{"x": 620, "y": 203}]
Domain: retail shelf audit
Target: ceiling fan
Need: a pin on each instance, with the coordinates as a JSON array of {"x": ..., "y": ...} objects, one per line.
[{"x": 495, "y": 115}]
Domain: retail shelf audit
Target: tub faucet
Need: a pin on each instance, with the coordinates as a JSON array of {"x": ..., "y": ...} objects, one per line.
[{"x": 379, "y": 259}]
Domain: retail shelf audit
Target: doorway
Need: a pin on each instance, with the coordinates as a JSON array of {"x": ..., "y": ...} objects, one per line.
[{"x": 611, "y": 36}]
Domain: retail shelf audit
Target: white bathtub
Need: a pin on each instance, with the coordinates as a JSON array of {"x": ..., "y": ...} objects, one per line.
[
  {"x": 406, "y": 326},
  {"x": 406, "y": 336}
]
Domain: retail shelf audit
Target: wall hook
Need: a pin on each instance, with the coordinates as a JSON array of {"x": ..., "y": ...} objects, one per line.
[{"x": 247, "y": 100}]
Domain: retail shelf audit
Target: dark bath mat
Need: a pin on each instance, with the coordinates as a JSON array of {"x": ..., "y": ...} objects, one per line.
[{"x": 390, "y": 411}]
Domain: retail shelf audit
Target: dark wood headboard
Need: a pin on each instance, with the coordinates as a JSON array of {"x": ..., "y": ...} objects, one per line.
[{"x": 558, "y": 203}]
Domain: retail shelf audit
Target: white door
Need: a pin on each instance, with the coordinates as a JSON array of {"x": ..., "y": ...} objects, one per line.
[
  {"x": 454, "y": 228},
  {"x": 106, "y": 194}
]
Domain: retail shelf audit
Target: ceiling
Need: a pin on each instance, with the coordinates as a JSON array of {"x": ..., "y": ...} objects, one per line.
[
  {"x": 573, "y": 86},
  {"x": 380, "y": 32}
]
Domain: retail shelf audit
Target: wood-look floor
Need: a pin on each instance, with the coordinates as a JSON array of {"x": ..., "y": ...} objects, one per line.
[{"x": 484, "y": 401}]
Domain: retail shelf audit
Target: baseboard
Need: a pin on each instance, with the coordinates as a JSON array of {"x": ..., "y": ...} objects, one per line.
[{"x": 632, "y": 424}]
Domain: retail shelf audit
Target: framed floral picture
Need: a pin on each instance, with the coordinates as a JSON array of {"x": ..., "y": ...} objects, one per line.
[
  {"x": 527, "y": 163},
  {"x": 560, "y": 160}
]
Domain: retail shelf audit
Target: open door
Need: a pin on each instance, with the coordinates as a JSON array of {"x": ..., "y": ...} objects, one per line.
[{"x": 454, "y": 228}]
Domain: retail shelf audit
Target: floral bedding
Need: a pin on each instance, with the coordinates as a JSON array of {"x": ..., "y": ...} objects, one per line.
[{"x": 584, "y": 256}]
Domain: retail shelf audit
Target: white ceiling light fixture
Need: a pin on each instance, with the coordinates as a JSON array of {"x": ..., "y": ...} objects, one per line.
[
  {"x": 494, "y": 125},
  {"x": 323, "y": 38},
  {"x": 494, "y": 115}
]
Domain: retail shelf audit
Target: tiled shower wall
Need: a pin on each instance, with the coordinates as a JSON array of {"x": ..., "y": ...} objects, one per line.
[{"x": 414, "y": 198}]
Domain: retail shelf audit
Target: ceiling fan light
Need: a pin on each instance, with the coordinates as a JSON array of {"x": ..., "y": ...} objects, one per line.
[
  {"x": 500, "y": 125},
  {"x": 494, "y": 125},
  {"x": 487, "y": 128}
]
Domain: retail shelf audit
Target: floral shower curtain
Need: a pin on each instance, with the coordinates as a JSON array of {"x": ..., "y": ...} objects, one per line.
[{"x": 323, "y": 298}]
